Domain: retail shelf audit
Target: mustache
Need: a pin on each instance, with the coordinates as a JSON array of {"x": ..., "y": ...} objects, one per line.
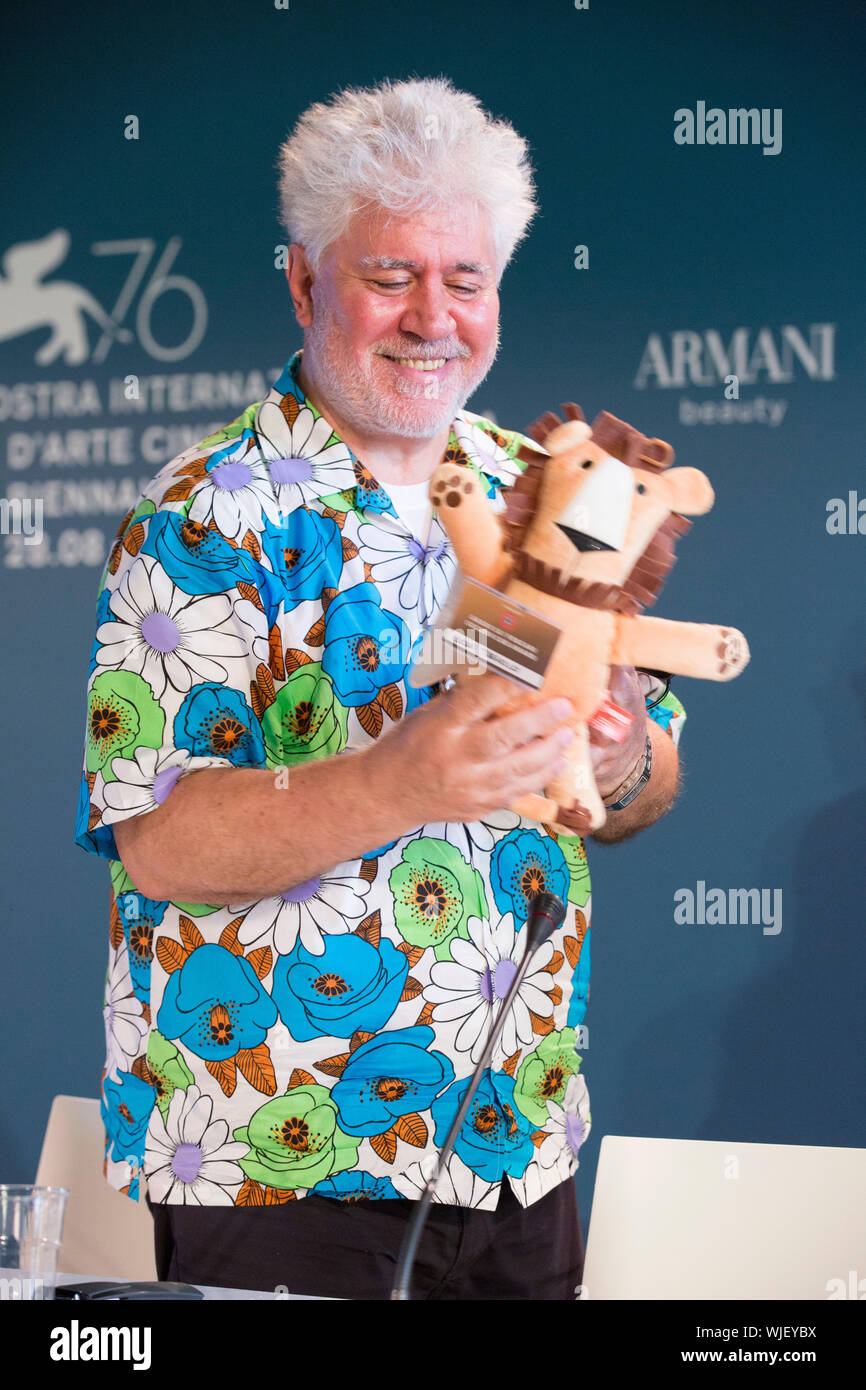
[{"x": 419, "y": 355}]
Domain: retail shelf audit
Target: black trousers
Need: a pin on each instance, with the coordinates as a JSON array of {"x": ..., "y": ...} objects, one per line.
[{"x": 324, "y": 1247}]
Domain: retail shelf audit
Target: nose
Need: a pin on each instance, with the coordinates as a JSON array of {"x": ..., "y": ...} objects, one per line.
[
  {"x": 428, "y": 312},
  {"x": 597, "y": 516}
]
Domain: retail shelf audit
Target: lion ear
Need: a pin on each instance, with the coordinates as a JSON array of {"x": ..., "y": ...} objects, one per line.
[
  {"x": 657, "y": 452},
  {"x": 692, "y": 492},
  {"x": 543, "y": 426},
  {"x": 567, "y": 436}
]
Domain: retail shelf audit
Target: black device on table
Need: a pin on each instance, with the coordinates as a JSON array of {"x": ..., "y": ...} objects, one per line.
[{"x": 105, "y": 1289}]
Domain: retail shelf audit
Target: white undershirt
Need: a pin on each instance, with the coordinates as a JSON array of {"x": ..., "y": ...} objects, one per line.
[{"x": 412, "y": 504}]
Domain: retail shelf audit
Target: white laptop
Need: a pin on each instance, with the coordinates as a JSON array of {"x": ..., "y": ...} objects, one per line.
[{"x": 684, "y": 1219}]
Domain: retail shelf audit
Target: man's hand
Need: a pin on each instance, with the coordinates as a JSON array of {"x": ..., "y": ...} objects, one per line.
[
  {"x": 612, "y": 761},
  {"x": 455, "y": 759}
]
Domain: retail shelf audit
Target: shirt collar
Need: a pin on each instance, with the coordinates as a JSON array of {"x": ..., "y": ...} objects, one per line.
[{"x": 307, "y": 459}]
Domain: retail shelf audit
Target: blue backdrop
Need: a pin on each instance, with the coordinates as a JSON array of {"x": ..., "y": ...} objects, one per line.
[{"x": 704, "y": 261}]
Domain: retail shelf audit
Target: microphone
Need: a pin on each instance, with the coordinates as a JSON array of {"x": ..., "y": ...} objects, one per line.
[{"x": 546, "y": 913}]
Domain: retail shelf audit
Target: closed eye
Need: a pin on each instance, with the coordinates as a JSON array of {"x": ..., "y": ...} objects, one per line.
[{"x": 401, "y": 285}]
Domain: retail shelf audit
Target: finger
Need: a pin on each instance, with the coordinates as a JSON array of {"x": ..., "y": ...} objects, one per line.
[
  {"x": 479, "y": 696},
  {"x": 498, "y": 738},
  {"x": 533, "y": 764}
]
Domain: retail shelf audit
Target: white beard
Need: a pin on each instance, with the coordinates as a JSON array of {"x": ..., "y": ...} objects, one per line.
[{"x": 360, "y": 398}]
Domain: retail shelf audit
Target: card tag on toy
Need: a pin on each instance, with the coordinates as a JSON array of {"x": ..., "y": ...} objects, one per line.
[
  {"x": 611, "y": 720},
  {"x": 479, "y": 630}
]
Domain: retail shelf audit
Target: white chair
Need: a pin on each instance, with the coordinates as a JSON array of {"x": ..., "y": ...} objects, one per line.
[
  {"x": 104, "y": 1232},
  {"x": 700, "y": 1219}
]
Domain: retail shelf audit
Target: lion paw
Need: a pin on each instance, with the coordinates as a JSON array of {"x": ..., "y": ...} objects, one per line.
[
  {"x": 575, "y": 818},
  {"x": 733, "y": 652},
  {"x": 450, "y": 484}
]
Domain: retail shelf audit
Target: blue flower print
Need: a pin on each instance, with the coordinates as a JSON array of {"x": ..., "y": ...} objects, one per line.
[
  {"x": 580, "y": 986},
  {"x": 366, "y": 647},
  {"x": 215, "y": 1005},
  {"x": 126, "y": 1107},
  {"x": 416, "y": 697},
  {"x": 495, "y": 1137},
  {"x": 140, "y": 917},
  {"x": 523, "y": 864},
  {"x": 382, "y": 849},
  {"x": 355, "y": 1186},
  {"x": 216, "y": 721},
  {"x": 103, "y": 615},
  {"x": 99, "y": 841},
  {"x": 308, "y": 553},
  {"x": 391, "y": 1075},
  {"x": 661, "y": 715},
  {"x": 352, "y": 985},
  {"x": 424, "y": 693},
  {"x": 196, "y": 557},
  {"x": 421, "y": 696},
  {"x": 370, "y": 496}
]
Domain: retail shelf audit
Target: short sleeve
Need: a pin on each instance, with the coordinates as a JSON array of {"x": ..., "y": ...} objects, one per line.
[
  {"x": 665, "y": 709},
  {"x": 181, "y": 641}
]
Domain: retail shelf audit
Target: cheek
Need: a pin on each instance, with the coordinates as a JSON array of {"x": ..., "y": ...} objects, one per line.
[
  {"x": 371, "y": 316},
  {"x": 477, "y": 323}
]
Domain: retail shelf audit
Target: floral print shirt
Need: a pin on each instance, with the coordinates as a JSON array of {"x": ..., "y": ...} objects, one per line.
[{"x": 320, "y": 1040}]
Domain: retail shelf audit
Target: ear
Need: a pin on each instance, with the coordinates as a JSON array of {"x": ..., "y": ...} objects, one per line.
[
  {"x": 690, "y": 490},
  {"x": 299, "y": 277},
  {"x": 567, "y": 436}
]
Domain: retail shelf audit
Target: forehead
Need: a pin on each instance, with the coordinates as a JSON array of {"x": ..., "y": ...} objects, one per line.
[{"x": 456, "y": 237}]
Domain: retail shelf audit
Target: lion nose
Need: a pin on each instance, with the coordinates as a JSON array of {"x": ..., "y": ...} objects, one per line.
[{"x": 597, "y": 516}]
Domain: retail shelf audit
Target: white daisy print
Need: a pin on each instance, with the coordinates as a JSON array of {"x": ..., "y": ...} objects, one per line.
[
  {"x": 483, "y": 451},
  {"x": 324, "y": 906},
  {"x": 236, "y": 493},
  {"x": 567, "y": 1128},
  {"x": 252, "y": 617},
  {"x": 420, "y": 575},
  {"x": 457, "y": 1185},
  {"x": 302, "y": 464},
  {"x": 472, "y": 985},
  {"x": 145, "y": 780},
  {"x": 163, "y": 635},
  {"x": 190, "y": 1158},
  {"x": 125, "y": 1029},
  {"x": 531, "y": 1185},
  {"x": 479, "y": 835}
]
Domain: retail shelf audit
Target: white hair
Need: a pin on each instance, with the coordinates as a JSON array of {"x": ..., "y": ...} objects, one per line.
[{"x": 407, "y": 147}]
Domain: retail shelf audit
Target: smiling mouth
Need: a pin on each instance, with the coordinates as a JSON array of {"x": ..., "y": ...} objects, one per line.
[{"x": 420, "y": 364}]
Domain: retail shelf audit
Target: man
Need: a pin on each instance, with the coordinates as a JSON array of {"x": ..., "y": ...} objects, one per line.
[{"x": 318, "y": 897}]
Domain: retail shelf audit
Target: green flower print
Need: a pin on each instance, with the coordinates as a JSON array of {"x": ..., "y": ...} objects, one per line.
[
  {"x": 435, "y": 894},
  {"x": 120, "y": 880},
  {"x": 544, "y": 1074},
  {"x": 578, "y": 869},
  {"x": 341, "y": 501},
  {"x": 294, "y": 1140},
  {"x": 306, "y": 720},
  {"x": 144, "y": 508},
  {"x": 245, "y": 421},
  {"x": 122, "y": 715},
  {"x": 169, "y": 1071}
]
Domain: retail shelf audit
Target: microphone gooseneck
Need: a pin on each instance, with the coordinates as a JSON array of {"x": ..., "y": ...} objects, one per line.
[{"x": 546, "y": 913}]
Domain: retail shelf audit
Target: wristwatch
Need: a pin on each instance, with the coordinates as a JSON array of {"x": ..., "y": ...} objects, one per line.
[{"x": 633, "y": 785}]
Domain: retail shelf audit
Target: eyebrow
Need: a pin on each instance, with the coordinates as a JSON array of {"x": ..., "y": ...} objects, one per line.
[{"x": 396, "y": 263}]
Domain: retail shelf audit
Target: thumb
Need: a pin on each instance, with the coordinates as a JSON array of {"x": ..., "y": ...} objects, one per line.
[{"x": 477, "y": 697}]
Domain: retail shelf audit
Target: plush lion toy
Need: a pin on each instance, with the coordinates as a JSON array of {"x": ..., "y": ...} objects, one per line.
[{"x": 586, "y": 540}]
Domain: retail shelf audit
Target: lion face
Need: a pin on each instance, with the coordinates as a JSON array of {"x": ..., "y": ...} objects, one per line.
[{"x": 595, "y": 515}]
